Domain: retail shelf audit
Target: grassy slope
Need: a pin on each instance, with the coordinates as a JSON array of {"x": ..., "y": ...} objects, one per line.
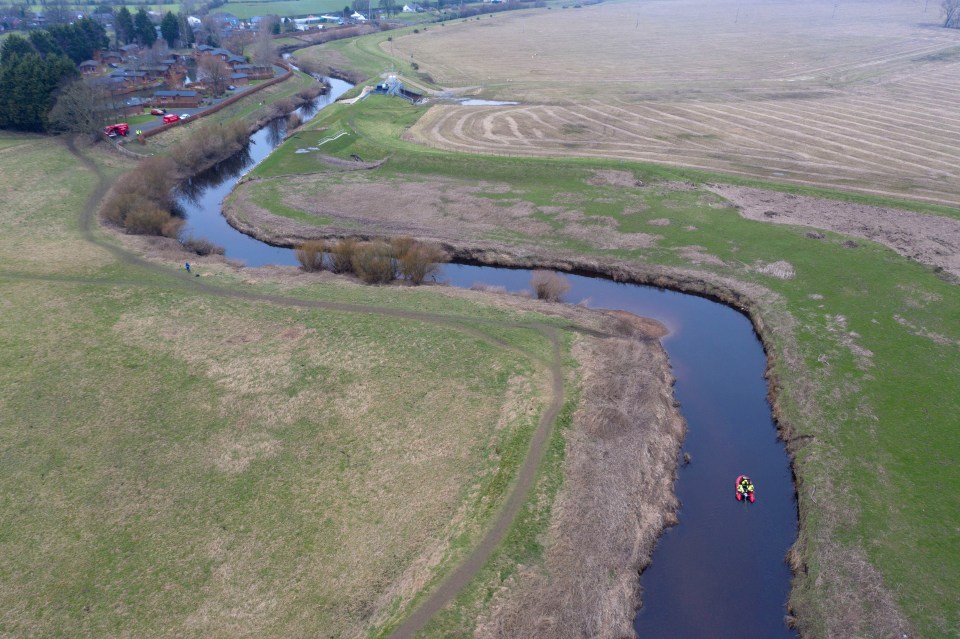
[
  {"x": 178, "y": 464},
  {"x": 884, "y": 427}
]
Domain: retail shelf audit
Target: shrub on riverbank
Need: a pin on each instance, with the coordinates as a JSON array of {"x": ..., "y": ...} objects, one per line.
[
  {"x": 310, "y": 254},
  {"x": 209, "y": 145},
  {"x": 416, "y": 261},
  {"x": 341, "y": 255},
  {"x": 375, "y": 262},
  {"x": 202, "y": 246},
  {"x": 143, "y": 202},
  {"x": 549, "y": 286}
]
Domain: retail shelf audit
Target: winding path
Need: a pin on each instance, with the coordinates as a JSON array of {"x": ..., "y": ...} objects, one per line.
[{"x": 527, "y": 473}]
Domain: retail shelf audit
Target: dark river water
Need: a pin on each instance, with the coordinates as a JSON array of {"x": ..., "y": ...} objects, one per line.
[{"x": 720, "y": 573}]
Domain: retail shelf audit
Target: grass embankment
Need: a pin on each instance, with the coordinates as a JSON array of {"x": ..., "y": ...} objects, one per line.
[
  {"x": 364, "y": 56},
  {"x": 869, "y": 374},
  {"x": 184, "y": 460}
]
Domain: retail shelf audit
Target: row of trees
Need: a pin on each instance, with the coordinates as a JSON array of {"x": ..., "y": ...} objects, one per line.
[
  {"x": 77, "y": 41},
  {"x": 29, "y": 81}
]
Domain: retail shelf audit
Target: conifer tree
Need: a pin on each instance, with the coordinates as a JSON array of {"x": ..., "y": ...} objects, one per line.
[
  {"x": 123, "y": 24},
  {"x": 146, "y": 35},
  {"x": 170, "y": 29}
]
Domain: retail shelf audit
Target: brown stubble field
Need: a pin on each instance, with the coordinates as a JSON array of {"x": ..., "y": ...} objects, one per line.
[{"x": 860, "y": 96}]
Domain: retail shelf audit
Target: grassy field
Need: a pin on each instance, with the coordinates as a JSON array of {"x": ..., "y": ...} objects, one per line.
[
  {"x": 864, "y": 342},
  {"x": 283, "y": 8},
  {"x": 856, "y": 97},
  {"x": 182, "y": 460}
]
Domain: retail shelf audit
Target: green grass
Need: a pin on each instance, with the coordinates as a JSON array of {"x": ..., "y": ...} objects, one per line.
[
  {"x": 283, "y": 8},
  {"x": 363, "y": 54},
  {"x": 884, "y": 424},
  {"x": 173, "y": 458},
  {"x": 140, "y": 119}
]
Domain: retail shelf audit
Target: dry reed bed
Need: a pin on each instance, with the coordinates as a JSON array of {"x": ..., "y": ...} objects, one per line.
[{"x": 625, "y": 438}]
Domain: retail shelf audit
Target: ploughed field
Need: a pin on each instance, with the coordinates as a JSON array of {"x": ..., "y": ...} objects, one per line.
[{"x": 858, "y": 95}]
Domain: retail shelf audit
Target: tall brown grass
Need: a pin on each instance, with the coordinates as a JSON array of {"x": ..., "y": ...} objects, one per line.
[
  {"x": 374, "y": 262},
  {"x": 310, "y": 254},
  {"x": 341, "y": 255},
  {"x": 416, "y": 261},
  {"x": 549, "y": 286}
]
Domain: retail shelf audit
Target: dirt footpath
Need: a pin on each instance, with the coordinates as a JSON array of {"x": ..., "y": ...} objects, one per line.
[
  {"x": 928, "y": 239},
  {"x": 605, "y": 521}
]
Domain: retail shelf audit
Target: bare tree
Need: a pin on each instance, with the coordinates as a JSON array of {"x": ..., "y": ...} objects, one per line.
[
  {"x": 951, "y": 13},
  {"x": 156, "y": 53},
  {"x": 214, "y": 73},
  {"x": 85, "y": 109},
  {"x": 263, "y": 50},
  {"x": 58, "y": 12}
]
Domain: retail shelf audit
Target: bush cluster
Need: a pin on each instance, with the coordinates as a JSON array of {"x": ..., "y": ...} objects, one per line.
[
  {"x": 374, "y": 262},
  {"x": 310, "y": 255},
  {"x": 142, "y": 202},
  {"x": 210, "y": 144},
  {"x": 549, "y": 286},
  {"x": 202, "y": 246}
]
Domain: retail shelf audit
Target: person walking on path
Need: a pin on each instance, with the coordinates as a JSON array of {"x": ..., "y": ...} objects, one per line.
[{"x": 188, "y": 267}]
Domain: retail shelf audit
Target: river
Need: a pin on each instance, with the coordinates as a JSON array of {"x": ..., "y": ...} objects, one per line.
[{"x": 721, "y": 572}]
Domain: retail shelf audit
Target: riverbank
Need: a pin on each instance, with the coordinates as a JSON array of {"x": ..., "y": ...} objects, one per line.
[
  {"x": 645, "y": 396},
  {"x": 275, "y": 413},
  {"x": 837, "y": 317}
]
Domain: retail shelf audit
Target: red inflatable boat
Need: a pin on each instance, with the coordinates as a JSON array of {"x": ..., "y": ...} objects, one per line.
[{"x": 744, "y": 489}]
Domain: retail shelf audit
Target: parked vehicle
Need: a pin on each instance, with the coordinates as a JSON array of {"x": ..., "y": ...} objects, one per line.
[
  {"x": 172, "y": 117},
  {"x": 184, "y": 116},
  {"x": 158, "y": 112},
  {"x": 113, "y": 130}
]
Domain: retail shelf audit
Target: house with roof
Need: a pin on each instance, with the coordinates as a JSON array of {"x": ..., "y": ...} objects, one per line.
[
  {"x": 89, "y": 67},
  {"x": 255, "y": 71},
  {"x": 180, "y": 99},
  {"x": 130, "y": 79},
  {"x": 111, "y": 57},
  {"x": 155, "y": 71}
]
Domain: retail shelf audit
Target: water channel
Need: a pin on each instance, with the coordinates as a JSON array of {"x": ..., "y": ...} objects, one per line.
[{"x": 721, "y": 572}]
